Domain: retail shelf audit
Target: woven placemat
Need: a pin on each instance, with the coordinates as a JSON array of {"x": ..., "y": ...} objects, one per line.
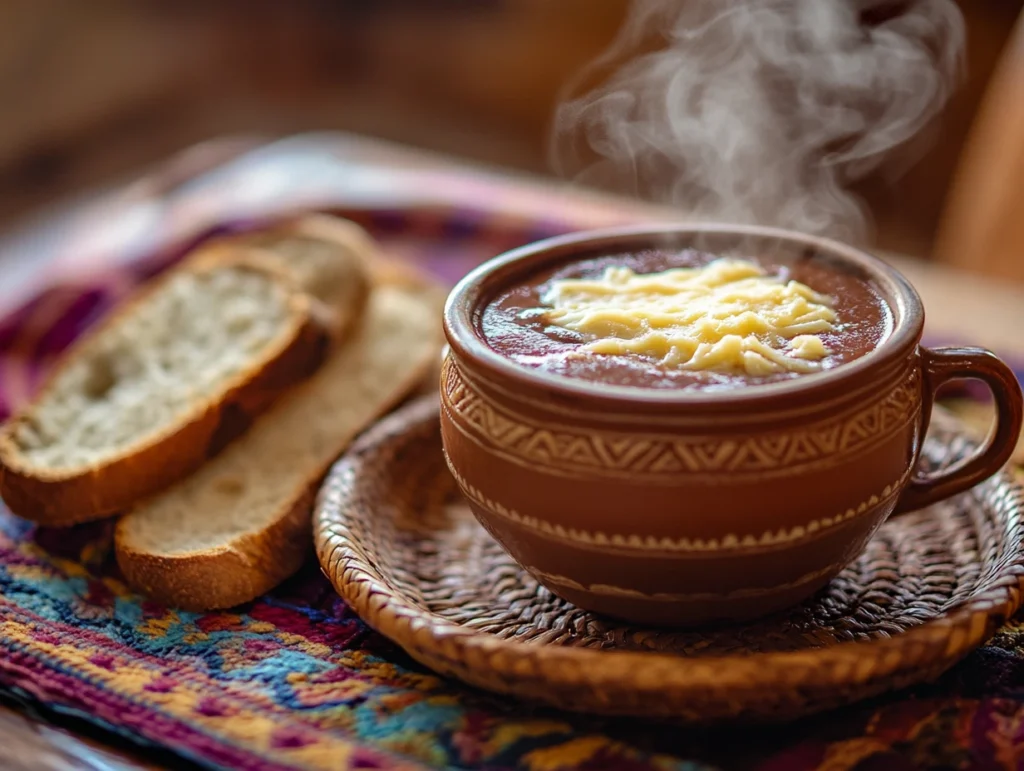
[{"x": 398, "y": 543}]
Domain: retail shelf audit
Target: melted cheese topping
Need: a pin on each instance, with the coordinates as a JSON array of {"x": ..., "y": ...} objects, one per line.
[{"x": 726, "y": 316}]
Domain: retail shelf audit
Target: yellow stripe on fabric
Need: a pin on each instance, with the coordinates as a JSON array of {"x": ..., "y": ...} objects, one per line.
[{"x": 569, "y": 755}]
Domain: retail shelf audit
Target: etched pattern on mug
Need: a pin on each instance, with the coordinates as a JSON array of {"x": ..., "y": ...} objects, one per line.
[{"x": 559, "y": 449}]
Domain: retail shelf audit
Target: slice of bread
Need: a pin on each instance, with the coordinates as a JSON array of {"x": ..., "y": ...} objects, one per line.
[
  {"x": 329, "y": 257},
  {"x": 157, "y": 388},
  {"x": 324, "y": 252},
  {"x": 334, "y": 259},
  {"x": 242, "y": 523}
]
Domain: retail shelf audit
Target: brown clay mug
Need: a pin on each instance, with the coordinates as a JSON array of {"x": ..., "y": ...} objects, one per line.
[{"x": 685, "y": 508}]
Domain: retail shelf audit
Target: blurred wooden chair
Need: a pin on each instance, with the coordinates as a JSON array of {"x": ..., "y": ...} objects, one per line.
[{"x": 982, "y": 227}]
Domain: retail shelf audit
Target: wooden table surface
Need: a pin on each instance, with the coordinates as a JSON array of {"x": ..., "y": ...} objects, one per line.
[{"x": 962, "y": 308}]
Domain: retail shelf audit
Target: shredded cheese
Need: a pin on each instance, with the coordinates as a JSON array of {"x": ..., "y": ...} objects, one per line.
[{"x": 726, "y": 316}]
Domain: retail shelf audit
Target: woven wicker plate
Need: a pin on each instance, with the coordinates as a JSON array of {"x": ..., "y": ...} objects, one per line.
[{"x": 395, "y": 539}]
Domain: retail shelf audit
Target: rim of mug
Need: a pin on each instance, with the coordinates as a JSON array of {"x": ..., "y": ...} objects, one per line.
[{"x": 472, "y": 292}]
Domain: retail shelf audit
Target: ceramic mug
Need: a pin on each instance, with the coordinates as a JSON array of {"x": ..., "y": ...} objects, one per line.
[{"x": 690, "y": 507}]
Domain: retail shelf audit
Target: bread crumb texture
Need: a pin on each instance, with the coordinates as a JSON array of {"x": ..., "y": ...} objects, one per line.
[{"x": 190, "y": 337}]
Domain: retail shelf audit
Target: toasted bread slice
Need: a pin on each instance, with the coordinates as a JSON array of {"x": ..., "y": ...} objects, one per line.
[
  {"x": 242, "y": 523},
  {"x": 335, "y": 259},
  {"x": 329, "y": 257},
  {"x": 157, "y": 388}
]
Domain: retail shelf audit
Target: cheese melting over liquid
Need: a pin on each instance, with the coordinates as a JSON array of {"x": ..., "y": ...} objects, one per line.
[{"x": 726, "y": 316}]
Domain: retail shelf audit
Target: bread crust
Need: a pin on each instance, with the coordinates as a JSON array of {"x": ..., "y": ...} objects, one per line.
[
  {"x": 60, "y": 498},
  {"x": 225, "y": 576}
]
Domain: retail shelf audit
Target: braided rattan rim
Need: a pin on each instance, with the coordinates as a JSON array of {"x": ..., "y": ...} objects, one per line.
[{"x": 763, "y": 685}]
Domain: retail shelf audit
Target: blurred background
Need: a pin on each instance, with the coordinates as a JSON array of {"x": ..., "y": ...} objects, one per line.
[{"x": 95, "y": 90}]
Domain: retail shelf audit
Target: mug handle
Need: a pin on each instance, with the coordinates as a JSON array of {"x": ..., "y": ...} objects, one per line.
[{"x": 941, "y": 365}]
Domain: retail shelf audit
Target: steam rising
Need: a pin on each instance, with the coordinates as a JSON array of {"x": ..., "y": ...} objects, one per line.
[{"x": 762, "y": 111}]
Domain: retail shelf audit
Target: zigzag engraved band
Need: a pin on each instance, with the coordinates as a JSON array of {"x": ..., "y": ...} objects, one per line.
[
  {"x": 651, "y": 545},
  {"x": 563, "y": 450}
]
